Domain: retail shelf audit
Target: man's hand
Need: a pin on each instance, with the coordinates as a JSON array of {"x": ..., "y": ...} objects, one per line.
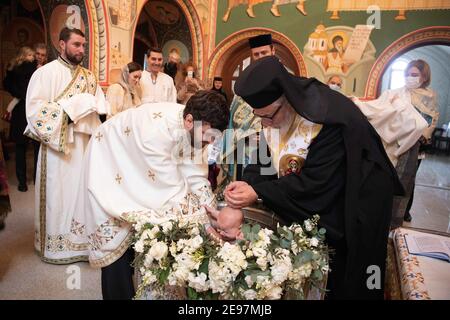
[{"x": 239, "y": 194}]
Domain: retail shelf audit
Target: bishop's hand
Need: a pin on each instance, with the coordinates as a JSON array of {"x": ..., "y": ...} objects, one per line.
[{"x": 240, "y": 194}]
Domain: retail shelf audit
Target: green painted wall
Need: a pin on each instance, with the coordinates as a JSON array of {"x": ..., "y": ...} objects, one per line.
[{"x": 298, "y": 27}]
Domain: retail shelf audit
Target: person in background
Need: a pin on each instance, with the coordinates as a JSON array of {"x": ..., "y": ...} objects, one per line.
[
  {"x": 218, "y": 86},
  {"x": 335, "y": 83},
  {"x": 173, "y": 64},
  {"x": 402, "y": 117},
  {"x": 187, "y": 82},
  {"x": 126, "y": 93},
  {"x": 16, "y": 82},
  {"x": 40, "y": 53},
  {"x": 156, "y": 86},
  {"x": 423, "y": 98}
]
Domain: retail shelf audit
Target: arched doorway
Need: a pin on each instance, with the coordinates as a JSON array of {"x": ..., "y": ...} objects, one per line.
[
  {"x": 432, "y": 182},
  {"x": 232, "y": 56},
  {"x": 169, "y": 24},
  {"x": 422, "y": 37}
]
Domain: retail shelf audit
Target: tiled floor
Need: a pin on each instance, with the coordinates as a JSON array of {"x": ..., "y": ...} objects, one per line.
[
  {"x": 24, "y": 276},
  {"x": 431, "y": 207}
]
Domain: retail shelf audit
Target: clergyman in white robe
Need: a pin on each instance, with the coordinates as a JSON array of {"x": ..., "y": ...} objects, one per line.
[
  {"x": 62, "y": 106},
  {"x": 136, "y": 162}
]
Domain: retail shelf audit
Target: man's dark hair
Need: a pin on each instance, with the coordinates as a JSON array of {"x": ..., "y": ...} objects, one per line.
[
  {"x": 153, "y": 49},
  {"x": 67, "y": 32},
  {"x": 208, "y": 106}
]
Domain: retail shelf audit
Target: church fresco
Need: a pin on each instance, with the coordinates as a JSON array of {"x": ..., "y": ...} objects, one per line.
[
  {"x": 274, "y": 9},
  {"x": 326, "y": 55}
]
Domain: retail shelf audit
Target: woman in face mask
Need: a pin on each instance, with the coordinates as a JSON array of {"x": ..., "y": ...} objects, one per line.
[
  {"x": 417, "y": 80},
  {"x": 404, "y": 118}
]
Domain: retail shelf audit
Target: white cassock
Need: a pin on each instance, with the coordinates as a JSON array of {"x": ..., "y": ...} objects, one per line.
[
  {"x": 57, "y": 91},
  {"x": 161, "y": 90},
  {"x": 134, "y": 164},
  {"x": 396, "y": 120}
]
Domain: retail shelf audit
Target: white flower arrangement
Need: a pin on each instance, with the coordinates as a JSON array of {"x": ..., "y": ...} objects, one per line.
[{"x": 266, "y": 264}]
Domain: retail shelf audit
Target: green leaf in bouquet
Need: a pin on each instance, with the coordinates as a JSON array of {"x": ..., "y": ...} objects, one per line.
[
  {"x": 204, "y": 266},
  {"x": 274, "y": 237},
  {"x": 163, "y": 275},
  {"x": 318, "y": 275},
  {"x": 289, "y": 235},
  {"x": 285, "y": 244},
  {"x": 256, "y": 228},
  {"x": 246, "y": 230},
  {"x": 192, "y": 294}
]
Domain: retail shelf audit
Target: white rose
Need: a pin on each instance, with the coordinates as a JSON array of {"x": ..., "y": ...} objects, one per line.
[
  {"x": 274, "y": 293},
  {"x": 259, "y": 252},
  {"x": 139, "y": 246},
  {"x": 159, "y": 250},
  {"x": 194, "y": 231},
  {"x": 280, "y": 270},
  {"x": 196, "y": 242},
  {"x": 262, "y": 263},
  {"x": 173, "y": 248},
  {"x": 250, "y": 294},
  {"x": 249, "y": 281},
  {"x": 198, "y": 283},
  {"x": 305, "y": 270},
  {"x": 167, "y": 227},
  {"x": 308, "y": 225},
  {"x": 314, "y": 242},
  {"x": 249, "y": 253}
]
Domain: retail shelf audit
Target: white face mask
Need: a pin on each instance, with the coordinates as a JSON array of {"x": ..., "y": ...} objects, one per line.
[
  {"x": 335, "y": 87},
  {"x": 412, "y": 82}
]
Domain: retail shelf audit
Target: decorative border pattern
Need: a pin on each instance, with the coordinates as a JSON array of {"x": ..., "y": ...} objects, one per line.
[
  {"x": 412, "y": 281},
  {"x": 96, "y": 13},
  {"x": 230, "y": 41},
  {"x": 420, "y": 37},
  {"x": 196, "y": 32}
]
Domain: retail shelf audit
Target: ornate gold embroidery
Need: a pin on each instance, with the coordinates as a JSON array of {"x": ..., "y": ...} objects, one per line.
[
  {"x": 127, "y": 131},
  {"x": 77, "y": 228},
  {"x": 118, "y": 178},
  {"x": 104, "y": 233}
]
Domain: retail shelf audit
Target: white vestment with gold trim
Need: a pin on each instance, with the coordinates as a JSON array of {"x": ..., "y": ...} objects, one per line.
[
  {"x": 137, "y": 162},
  {"x": 56, "y": 92}
]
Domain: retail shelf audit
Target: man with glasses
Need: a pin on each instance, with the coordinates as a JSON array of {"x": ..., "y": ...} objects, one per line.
[{"x": 328, "y": 160}]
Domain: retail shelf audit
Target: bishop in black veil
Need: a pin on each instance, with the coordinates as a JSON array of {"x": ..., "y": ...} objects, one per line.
[{"x": 328, "y": 161}]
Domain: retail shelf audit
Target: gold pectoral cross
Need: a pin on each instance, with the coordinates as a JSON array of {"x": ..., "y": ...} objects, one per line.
[
  {"x": 127, "y": 131},
  {"x": 118, "y": 178}
]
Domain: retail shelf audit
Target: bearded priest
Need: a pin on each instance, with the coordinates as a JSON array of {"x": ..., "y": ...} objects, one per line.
[{"x": 152, "y": 158}]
